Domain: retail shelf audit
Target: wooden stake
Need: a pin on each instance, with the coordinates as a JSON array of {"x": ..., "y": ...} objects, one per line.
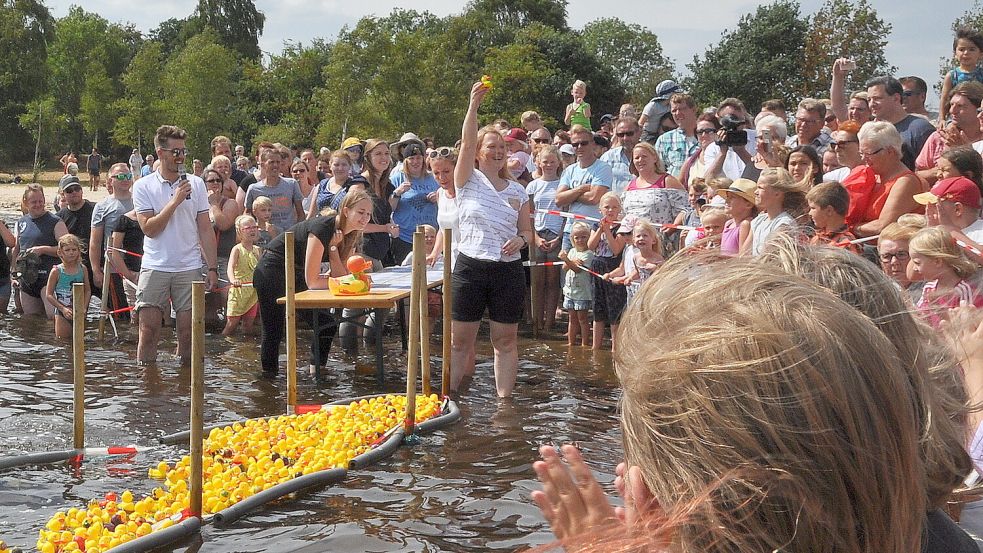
[
  {"x": 536, "y": 276},
  {"x": 288, "y": 240},
  {"x": 413, "y": 355},
  {"x": 78, "y": 363},
  {"x": 445, "y": 368},
  {"x": 424, "y": 318},
  {"x": 197, "y": 394},
  {"x": 107, "y": 276}
]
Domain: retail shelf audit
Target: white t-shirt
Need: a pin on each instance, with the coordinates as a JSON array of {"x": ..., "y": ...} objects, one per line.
[
  {"x": 177, "y": 247},
  {"x": 447, "y": 218},
  {"x": 978, "y": 146},
  {"x": 733, "y": 166},
  {"x": 762, "y": 227},
  {"x": 488, "y": 218},
  {"x": 837, "y": 175},
  {"x": 975, "y": 231}
]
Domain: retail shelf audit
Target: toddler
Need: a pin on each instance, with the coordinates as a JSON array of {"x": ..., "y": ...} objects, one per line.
[
  {"x": 577, "y": 288},
  {"x": 967, "y": 48},
  {"x": 578, "y": 111},
  {"x": 645, "y": 258},
  {"x": 935, "y": 257},
  {"x": 60, "y": 281},
  {"x": 243, "y": 303}
]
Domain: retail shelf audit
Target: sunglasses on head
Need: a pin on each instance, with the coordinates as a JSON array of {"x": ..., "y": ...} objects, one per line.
[{"x": 443, "y": 151}]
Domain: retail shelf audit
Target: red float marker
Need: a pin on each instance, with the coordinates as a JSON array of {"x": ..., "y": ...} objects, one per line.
[{"x": 304, "y": 409}]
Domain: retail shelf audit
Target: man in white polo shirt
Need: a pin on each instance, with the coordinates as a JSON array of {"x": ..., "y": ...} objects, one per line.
[{"x": 172, "y": 209}]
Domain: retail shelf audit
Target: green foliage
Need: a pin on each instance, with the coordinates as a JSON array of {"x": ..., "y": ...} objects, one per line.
[
  {"x": 238, "y": 24},
  {"x": 632, "y": 53},
  {"x": 138, "y": 110},
  {"x": 843, "y": 28},
  {"x": 25, "y": 28},
  {"x": 198, "y": 84},
  {"x": 761, "y": 59},
  {"x": 172, "y": 34}
]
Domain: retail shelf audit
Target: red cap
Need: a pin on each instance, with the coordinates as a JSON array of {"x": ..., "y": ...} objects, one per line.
[
  {"x": 516, "y": 133},
  {"x": 954, "y": 189}
]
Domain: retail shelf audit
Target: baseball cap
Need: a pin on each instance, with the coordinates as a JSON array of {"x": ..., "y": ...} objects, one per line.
[
  {"x": 516, "y": 133},
  {"x": 568, "y": 149},
  {"x": 666, "y": 89},
  {"x": 606, "y": 117},
  {"x": 68, "y": 181},
  {"x": 627, "y": 224},
  {"x": 742, "y": 188},
  {"x": 955, "y": 189}
]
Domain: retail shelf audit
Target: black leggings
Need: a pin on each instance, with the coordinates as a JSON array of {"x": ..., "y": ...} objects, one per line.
[{"x": 270, "y": 285}]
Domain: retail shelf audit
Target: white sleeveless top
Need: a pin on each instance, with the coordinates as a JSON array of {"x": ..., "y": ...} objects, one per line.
[{"x": 488, "y": 218}]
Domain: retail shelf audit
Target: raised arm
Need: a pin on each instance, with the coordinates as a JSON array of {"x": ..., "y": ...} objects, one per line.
[
  {"x": 837, "y": 91},
  {"x": 469, "y": 136}
]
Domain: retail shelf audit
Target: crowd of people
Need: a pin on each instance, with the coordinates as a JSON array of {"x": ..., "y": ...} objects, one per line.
[{"x": 738, "y": 220}]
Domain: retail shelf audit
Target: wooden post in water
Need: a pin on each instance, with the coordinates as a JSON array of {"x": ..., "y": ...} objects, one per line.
[
  {"x": 197, "y": 394},
  {"x": 413, "y": 355},
  {"x": 107, "y": 276},
  {"x": 424, "y": 317},
  {"x": 78, "y": 362},
  {"x": 291, "y": 309},
  {"x": 445, "y": 365},
  {"x": 536, "y": 277}
]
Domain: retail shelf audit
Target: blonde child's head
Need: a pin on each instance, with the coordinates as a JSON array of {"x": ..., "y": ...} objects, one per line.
[
  {"x": 579, "y": 89},
  {"x": 610, "y": 205},
  {"x": 548, "y": 160},
  {"x": 716, "y": 391},
  {"x": 713, "y": 220},
  {"x": 243, "y": 224},
  {"x": 718, "y": 183},
  {"x": 429, "y": 236},
  {"x": 916, "y": 220},
  {"x": 68, "y": 242},
  {"x": 579, "y": 233},
  {"x": 263, "y": 208},
  {"x": 936, "y": 244},
  {"x": 644, "y": 234},
  {"x": 793, "y": 198}
]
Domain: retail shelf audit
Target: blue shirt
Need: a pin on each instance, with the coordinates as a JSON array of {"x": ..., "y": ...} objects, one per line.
[
  {"x": 620, "y": 164},
  {"x": 575, "y": 176},
  {"x": 413, "y": 207}
]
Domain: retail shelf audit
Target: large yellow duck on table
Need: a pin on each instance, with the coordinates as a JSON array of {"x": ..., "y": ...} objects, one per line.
[{"x": 358, "y": 283}]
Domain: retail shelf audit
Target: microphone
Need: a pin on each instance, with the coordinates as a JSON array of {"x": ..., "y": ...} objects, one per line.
[{"x": 183, "y": 176}]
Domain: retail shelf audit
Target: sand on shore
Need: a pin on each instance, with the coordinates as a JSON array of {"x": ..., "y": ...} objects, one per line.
[{"x": 11, "y": 194}]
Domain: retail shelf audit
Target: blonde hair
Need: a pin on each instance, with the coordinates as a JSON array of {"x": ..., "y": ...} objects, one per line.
[
  {"x": 262, "y": 201},
  {"x": 482, "y": 133},
  {"x": 579, "y": 226},
  {"x": 941, "y": 405},
  {"x": 711, "y": 212},
  {"x": 33, "y": 187},
  {"x": 351, "y": 240},
  {"x": 660, "y": 167},
  {"x": 70, "y": 240},
  {"x": 756, "y": 399},
  {"x": 645, "y": 224},
  {"x": 611, "y": 196},
  {"x": 793, "y": 193},
  {"x": 220, "y": 158},
  {"x": 916, "y": 220},
  {"x": 580, "y": 85},
  {"x": 897, "y": 231},
  {"x": 936, "y": 243},
  {"x": 242, "y": 220},
  {"x": 544, "y": 150}
]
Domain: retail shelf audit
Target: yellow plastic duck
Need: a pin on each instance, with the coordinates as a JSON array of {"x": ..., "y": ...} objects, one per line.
[{"x": 356, "y": 284}]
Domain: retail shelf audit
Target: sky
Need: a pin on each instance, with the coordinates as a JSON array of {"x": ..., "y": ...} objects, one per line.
[{"x": 920, "y": 35}]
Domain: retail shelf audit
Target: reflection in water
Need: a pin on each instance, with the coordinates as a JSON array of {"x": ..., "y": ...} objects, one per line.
[{"x": 464, "y": 488}]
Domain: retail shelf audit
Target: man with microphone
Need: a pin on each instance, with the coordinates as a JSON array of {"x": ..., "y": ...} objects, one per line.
[{"x": 172, "y": 209}]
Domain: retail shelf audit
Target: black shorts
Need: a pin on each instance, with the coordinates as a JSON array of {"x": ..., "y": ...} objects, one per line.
[
  {"x": 499, "y": 286},
  {"x": 609, "y": 298},
  {"x": 94, "y": 172}
]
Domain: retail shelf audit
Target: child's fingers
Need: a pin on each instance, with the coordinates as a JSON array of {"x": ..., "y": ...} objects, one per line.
[{"x": 598, "y": 509}]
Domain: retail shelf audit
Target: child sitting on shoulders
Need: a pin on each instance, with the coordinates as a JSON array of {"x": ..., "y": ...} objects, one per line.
[
  {"x": 645, "y": 258},
  {"x": 577, "y": 286},
  {"x": 967, "y": 49},
  {"x": 828, "y": 206},
  {"x": 935, "y": 257},
  {"x": 60, "y": 281},
  {"x": 243, "y": 303},
  {"x": 263, "y": 212},
  {"x": 578, "y": 111}
]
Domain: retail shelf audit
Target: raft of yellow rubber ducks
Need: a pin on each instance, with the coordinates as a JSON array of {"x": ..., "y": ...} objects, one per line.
[{"x": 239, "y": 460}]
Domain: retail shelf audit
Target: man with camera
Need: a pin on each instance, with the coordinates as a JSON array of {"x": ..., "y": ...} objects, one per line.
[
  {"x": 677, "y": 145},
  {"x": 809, "y": 126},
  {"x": 735, "y": 145}
]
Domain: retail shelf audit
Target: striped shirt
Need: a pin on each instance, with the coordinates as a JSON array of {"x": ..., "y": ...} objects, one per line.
[{"x": 488, "y": 218}]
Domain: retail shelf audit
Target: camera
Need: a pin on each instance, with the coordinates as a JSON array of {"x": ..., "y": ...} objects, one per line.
[{"x": 735, "y": 136}]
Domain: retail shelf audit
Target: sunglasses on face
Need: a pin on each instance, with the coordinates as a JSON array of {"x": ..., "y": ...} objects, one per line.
[
  {"x": 443, "y": 151},
  {"x": 213, "y": 181},
  {"x": 625, "y": 134},
  {"x": 541, "y": 140},
  {"x": 299, "y": 170},
  {"x": 833, "y": 144},
  {"x": 706, "y": 131},
  {"x": 581, "y": 143},
  {"x": 123, "y": 176},
  {"x": 177, "y": 152}
]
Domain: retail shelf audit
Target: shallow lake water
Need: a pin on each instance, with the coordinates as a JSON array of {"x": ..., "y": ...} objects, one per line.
[{"x": 463, "y": 488}]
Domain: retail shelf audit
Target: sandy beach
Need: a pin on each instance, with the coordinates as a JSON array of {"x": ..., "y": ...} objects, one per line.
[{"x": 11, "y": 194}]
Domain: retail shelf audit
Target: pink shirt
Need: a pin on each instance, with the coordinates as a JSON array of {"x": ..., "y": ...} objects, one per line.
[{"x": 931, "y": 152}]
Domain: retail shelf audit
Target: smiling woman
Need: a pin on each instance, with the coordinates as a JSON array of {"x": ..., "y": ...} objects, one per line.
[{"x": 329, "y": 237}]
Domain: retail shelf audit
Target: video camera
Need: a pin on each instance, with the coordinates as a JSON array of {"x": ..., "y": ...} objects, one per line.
[{"x": 735, "y": 136}]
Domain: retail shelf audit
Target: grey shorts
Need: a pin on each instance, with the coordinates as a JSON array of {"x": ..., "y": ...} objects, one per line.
[{"x": 156, "y": 288}]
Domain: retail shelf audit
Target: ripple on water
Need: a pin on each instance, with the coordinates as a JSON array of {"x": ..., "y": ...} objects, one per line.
[{"x": 464, "y": 488}]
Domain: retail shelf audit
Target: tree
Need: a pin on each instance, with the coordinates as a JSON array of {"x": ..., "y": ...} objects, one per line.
[
  {"x": 172, "y": 34},
  {"x": 139, "y": 109},
  {"x": 843, "y": 28},
  {"x": 201, "y": 104},
  {"x": 761, "y": 59},
  {"x": 26, "y": 26},
  {"x": 238, "y": 24},
  {"x": 632, "y": 52}
]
